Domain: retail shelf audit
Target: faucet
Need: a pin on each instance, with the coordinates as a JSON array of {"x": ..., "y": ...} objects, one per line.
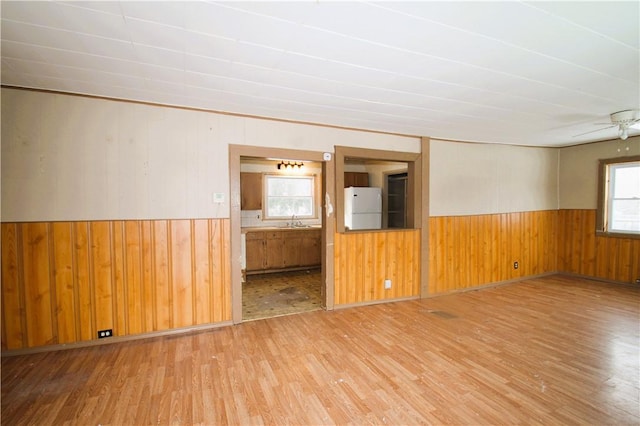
[{"x": 295, "y": 223}]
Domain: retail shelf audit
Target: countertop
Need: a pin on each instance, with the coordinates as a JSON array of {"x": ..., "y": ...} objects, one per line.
[{"x": 280, "y": 228}]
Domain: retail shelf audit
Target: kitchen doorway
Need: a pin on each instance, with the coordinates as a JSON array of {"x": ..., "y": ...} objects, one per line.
[
  {"x": 280, "y": 215},
  {"x": 276, "y": 258}
]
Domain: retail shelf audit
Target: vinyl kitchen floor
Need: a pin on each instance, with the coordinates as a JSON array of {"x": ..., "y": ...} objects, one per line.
[{"x": 271, "y": 295}]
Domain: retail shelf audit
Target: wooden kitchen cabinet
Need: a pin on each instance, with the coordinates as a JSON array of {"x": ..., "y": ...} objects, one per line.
[
  {"x": 356, "y": 179},
  {"x": 310, "y": 252},
  {"x": 264, "y": 250},
  {"x": 250, "y": 191},
  {"x": 272, "y": 251},
  {"x": 274, "y": 258},
  {"x": 302, "y": 248},
  {"x": 292, "y": 245},
  {"x": 255, "y": 251}
]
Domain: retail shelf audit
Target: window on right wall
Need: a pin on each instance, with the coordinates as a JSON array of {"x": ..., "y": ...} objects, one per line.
[{"x": 619, "y": 197}]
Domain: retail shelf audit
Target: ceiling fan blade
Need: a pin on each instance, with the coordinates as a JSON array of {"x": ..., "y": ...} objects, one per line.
[{"x": 597, "y": 130}]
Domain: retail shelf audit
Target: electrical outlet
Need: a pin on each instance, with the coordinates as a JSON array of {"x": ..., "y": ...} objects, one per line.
[
  {"x": 105, "y": 333},
  {"x": 387, "y": 284},
  {"x": 515, "y": 265}
]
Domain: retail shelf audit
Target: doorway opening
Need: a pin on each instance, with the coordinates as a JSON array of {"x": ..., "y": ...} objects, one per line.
[
  {"x": 396, "y": 194},
  {"x": 281, "y": 223},
  {"x": 279, "y": 233}
]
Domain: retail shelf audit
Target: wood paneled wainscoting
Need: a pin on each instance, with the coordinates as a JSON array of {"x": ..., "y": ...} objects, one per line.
[
  {"x": 582, "y": 252},
  {"x": 363, "y": 260},
  {"x": 470, "y": 251},
  {"x": 64, "y": 281}
]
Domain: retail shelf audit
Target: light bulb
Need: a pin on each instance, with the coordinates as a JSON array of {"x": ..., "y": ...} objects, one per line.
[{"x": 624, "y": 134}]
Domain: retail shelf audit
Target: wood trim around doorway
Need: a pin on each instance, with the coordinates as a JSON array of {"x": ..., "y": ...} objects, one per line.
[{"x": 328, "y": 221}]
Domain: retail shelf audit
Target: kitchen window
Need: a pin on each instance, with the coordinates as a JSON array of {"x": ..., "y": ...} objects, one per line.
[
  {"x": 286, "y": 196},
  {"x": 619, "y": 196}
]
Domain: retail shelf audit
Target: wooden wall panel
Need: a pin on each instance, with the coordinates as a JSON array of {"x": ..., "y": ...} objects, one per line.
[
  {"x": 635, "y": 260},
  {"x": 65, "y": 313},
  {"x": 181, "y": 278},
  {"x": 84, "y": 289},
  {"x": 134, "y": 310},
  {"x": 470, "y": 251},
  {"x": 64, "y": 281},
  {"x": 148, "y": 277},
  {"x": 202, "y": 272},
  {"x": 221, "y": 270},
  {"x": 120, "y": 314},
  {"x": 13, "y": 331},
  {"x": 37, "y": 291},
  {"x": 101, "y": 262},
  {"x": 583, "y": 252},
  {"x": 160, "y": 260},
  {"x": 364, "y": 260}
]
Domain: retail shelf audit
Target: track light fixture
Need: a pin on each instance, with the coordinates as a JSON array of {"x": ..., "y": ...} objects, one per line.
[{"x": 290, "y": 165}]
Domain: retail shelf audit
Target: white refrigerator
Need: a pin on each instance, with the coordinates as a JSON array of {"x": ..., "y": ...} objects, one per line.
[{"x": 362, "y": 208}]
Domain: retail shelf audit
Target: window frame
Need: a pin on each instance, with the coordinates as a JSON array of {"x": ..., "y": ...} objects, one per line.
[
  {"x": 314, "y": 195},
  {"x": 604, "y": 200}
]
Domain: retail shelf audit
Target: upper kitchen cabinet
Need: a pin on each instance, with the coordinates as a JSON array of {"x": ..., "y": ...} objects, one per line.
[
  {"x": 251, "y": 191},
  {"x": 356, "y": 179}
]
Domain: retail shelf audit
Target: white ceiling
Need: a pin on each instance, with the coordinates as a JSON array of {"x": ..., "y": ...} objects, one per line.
[{"x": 530, "y": 73}]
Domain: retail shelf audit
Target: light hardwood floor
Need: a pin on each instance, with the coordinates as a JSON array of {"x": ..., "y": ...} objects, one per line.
[{"x": 555, "y": 350}]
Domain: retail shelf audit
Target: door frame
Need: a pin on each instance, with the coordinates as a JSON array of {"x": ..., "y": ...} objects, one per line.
[
  {"x": 327, "y": 214},
  {"x": 385, "y": 192}
]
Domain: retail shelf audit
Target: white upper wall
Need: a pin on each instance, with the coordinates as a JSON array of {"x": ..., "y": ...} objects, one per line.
[
  {"x": 76, "y": 158},
  {"x": 470, "y": 179},
  {"x": 376, "y": 172},
  {"x": 578, "y": 183}
]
